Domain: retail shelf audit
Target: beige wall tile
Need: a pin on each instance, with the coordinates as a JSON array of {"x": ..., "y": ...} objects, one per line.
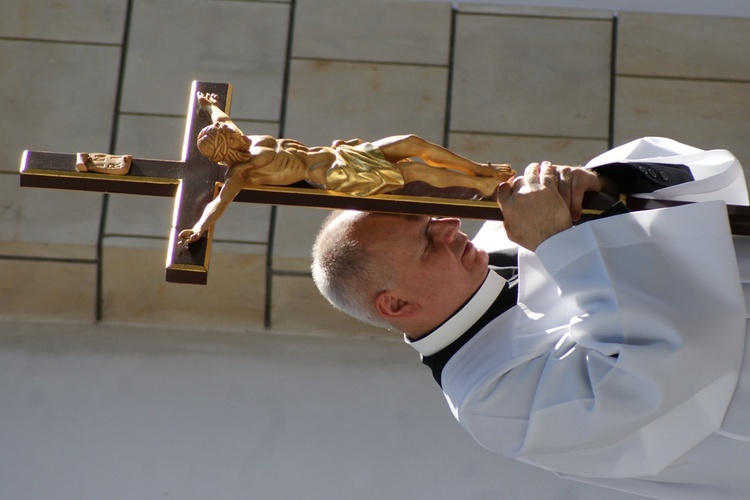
[
  {"x": 100, "y": 21},
  {"x": 145, "y": 216},
  {"x": 244, "y": 222},
  {"x": 145, "y": 136},
  {"x": 373, "y": 31},
  {"x": 295, "y": 233},
  {"x": 242, "y": 43},
  {"x": 340, "y": 100},
  {"x": 531, "y": 76},
  {"x": 707, "y": 115},
  {"x": 47, "y": 290},
  {"x": 135, "y": 291},
  {"x": 683, "y": 46},
  {"x": 63, "y": 98},
  {"x": 48, "y": 216},
  {"x": 520, "y": 151}
]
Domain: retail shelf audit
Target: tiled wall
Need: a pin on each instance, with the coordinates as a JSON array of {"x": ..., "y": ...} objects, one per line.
[{"x": 503, "y": 83}]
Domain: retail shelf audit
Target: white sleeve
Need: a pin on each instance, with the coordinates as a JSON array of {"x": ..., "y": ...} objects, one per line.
[{"x": 623, "y": 352}]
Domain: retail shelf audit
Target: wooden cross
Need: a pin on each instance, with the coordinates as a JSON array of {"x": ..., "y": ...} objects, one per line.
[{"x": 194, "y": 181}]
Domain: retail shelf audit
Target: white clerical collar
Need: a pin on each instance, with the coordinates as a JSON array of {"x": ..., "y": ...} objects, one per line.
[{"x": 456, "y": 325}]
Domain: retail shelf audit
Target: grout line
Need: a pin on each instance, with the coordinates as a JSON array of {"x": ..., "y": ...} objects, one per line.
[
  {"x": 528, "y": 136},
  {"x": 612, "y": 82},
  {"x": 682, "y": 78},
  {"x": 451, "y": 74},
  {"x": 363, "y": 61},
  {"x": 61, "y": 260},
  {"x": 59, "y": 42},
  {"x": 535, "y": 16},
  {"x": 268, "y": 299}
]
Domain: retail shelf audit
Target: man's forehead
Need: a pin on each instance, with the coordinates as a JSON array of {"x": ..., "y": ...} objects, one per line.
[
  {"x": 376, "y": 225},
  {"x": 386, "y": 219}
]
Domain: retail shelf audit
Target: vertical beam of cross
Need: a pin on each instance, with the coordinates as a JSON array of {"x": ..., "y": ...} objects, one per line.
[{"x": 199, "y": 177}]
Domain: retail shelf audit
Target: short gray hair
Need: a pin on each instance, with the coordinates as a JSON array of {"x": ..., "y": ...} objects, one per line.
[{"x": 346, "y": 272}]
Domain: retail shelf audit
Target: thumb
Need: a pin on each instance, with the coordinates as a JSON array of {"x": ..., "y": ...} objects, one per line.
[{"x": 504, "y": 192}]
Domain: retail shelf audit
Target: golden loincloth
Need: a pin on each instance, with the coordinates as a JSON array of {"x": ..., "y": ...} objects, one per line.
[{"x": 362, "y": 170}]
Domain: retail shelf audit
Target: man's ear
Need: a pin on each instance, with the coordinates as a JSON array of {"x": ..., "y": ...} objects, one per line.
[{"x": 388, "y": 305}]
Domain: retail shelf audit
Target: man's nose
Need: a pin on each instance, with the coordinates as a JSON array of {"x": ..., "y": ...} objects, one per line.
[{"x": 445, "y": 230}]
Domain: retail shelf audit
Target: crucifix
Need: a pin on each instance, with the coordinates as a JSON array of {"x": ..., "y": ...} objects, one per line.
[{"x": 195, "y": 180}]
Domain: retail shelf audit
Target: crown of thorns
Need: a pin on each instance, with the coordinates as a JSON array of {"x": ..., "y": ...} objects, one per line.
[{"x": 213, "y": 142}]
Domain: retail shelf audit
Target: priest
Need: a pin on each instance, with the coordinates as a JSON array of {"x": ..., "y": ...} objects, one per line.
[{"x": 612, "y": 352}]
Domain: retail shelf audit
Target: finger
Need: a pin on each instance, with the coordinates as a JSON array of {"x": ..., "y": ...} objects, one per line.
[
  {"x": 518, "y": 183},
  {"x": 583, "y": 181},
  {"x": 531, "y": 174},
  {"x": 548, "y": 175},
  {"x": 578, "y": 190},
  {"x": 504, "y": 192},
  {"x": 565, "y": 184}
]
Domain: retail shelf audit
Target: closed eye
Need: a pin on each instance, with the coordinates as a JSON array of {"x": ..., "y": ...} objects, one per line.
[{"x": 426, "y": 239}]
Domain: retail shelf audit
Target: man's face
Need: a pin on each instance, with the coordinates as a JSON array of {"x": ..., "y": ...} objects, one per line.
[
  {"x": 236, "y": 141},
  {"x": 436, "y": 265}
]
